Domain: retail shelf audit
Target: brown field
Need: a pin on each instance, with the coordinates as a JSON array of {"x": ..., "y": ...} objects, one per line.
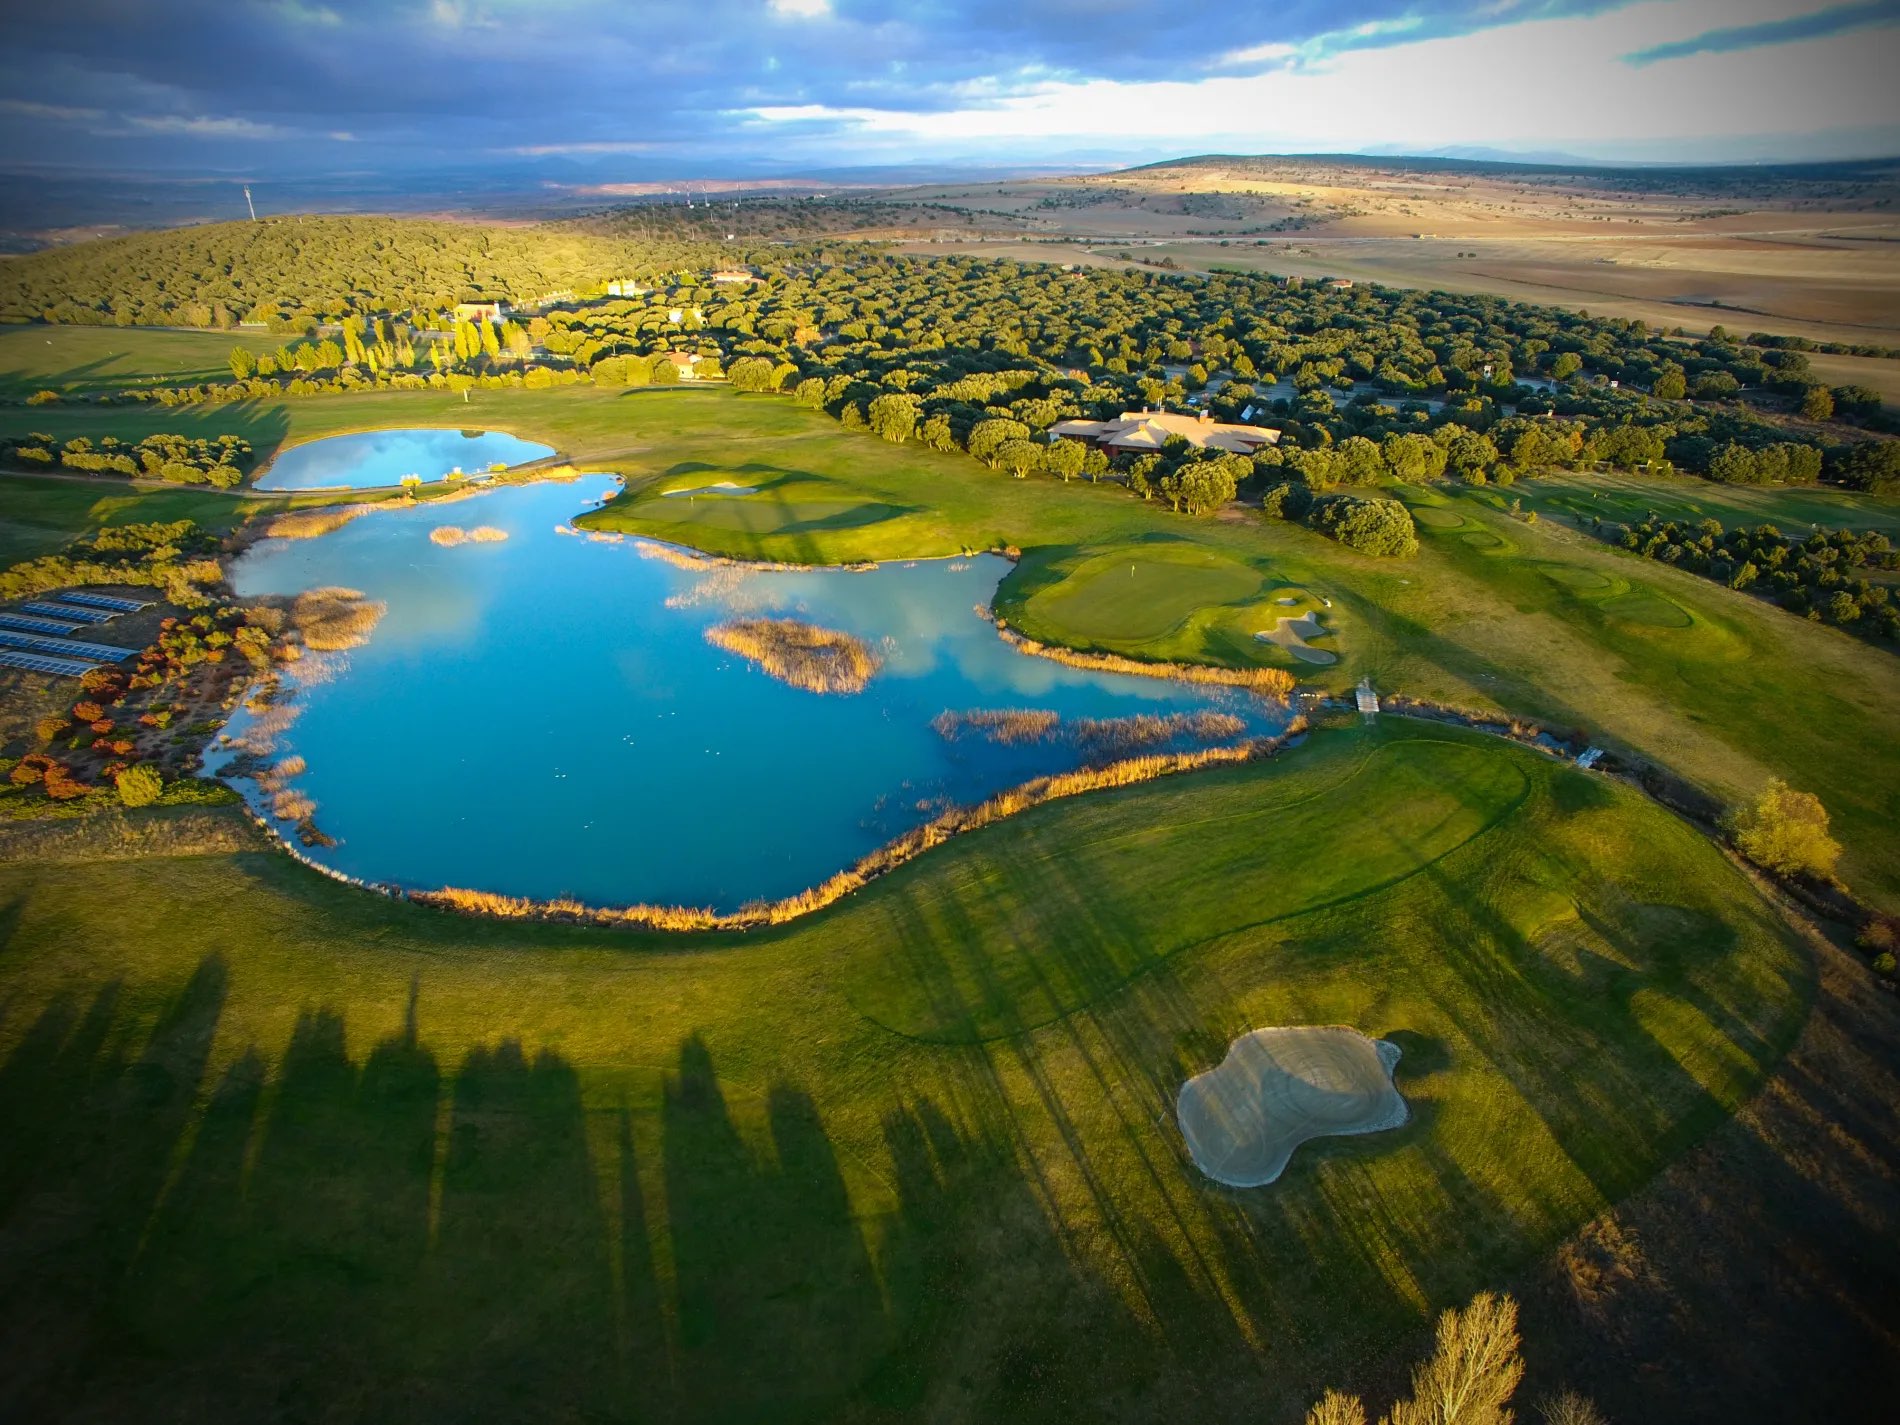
[{"x": 1814, "y": 257}]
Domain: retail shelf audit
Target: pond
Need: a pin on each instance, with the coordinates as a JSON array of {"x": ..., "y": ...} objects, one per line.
[
  {"x": 374, "y": 458},
  {"x": 542, "y": 714}
]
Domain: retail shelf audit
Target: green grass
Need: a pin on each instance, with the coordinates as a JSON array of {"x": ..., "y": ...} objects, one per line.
[
  {"x": 277, "y": 1146},
  {"x": 89, "y": 360},
  {"x": 42, "y": 515},
  {"x": 1492, "y": 613},
  {"x": 1628, "y": 499}
]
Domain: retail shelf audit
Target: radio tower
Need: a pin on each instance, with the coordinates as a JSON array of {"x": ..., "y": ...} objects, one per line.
[{"x": 248, "y": 203}]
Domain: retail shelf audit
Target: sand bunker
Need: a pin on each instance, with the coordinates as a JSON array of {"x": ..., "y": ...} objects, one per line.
[
  {"x": 1279, "y": 1087},
  {"x": 1292, "y": 633},
  {"x": 719, "y": 487}
]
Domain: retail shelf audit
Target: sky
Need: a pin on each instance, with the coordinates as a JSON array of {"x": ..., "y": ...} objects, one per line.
[{"x": 591, "y": 91}]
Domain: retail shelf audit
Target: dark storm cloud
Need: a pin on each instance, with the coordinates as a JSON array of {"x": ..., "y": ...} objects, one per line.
[
  {"x": 337, "y": 83},
  {"x": 1775, "y": 32}
]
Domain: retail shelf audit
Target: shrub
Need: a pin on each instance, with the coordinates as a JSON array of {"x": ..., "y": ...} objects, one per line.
[
  {"x": 1785, "y": 831},
  {"x": 139, "y": 786},
  {"x": 1371, "y": 526}
]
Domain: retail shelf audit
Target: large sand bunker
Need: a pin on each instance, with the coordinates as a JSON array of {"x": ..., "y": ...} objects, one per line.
[
  {"x": 1291, "y": 634},
  {"x": 1279, "y": 1087}
]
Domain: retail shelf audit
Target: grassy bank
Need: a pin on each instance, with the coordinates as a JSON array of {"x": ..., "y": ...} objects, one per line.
[
  {"x": 911, "y": 1154},
  {"x": 1492, "y": 614}
]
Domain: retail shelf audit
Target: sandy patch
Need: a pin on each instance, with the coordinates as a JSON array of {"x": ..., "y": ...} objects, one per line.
[
  {"x": 1279, "y": 1087},
  {"x": 1292, "y": 633},
  {"x": 718, "y": 487}
]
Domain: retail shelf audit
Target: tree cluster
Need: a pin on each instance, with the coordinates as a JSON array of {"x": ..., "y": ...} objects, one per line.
[{"x": 1812, "y": 576}]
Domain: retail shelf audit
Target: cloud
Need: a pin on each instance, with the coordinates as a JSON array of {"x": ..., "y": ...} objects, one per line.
[
  {"x": 58, "y": 113},
  {"x": 1783, "y": 30},
  {"x": 205, "y": 126},
  {"x": 696, "y": 83}
]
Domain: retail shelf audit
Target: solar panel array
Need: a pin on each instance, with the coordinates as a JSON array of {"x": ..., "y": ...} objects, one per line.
[
  {"x": 70, "y": 611},
  {"x": 106, "y": 601},
  {"x": 41, "y": 663},
  {"x": 26, "y": 623},
  {"x": 98, "y": 652}
]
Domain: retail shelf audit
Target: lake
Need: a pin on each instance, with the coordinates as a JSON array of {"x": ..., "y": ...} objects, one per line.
[
  {"x": 542, "y": 715},
  {"x": 374, "y": 458}
]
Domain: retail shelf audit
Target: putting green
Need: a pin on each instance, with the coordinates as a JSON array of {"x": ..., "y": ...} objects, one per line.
[
  {"x": 1647, "y": 608},
  {"x": 1136, "y": 599},
  {"x": 1435, "y": 517},
  {"x": 1577, "y": 581}
]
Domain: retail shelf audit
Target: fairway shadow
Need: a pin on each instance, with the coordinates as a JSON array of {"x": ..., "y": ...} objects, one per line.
[{"x": 332, "y": 1229}]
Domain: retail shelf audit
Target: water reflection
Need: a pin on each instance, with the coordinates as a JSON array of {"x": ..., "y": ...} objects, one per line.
[{"x": 543, "y": 716}]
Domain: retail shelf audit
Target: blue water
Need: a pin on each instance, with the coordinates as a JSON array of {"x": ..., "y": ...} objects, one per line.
[
  {"x": 543, "y": 716},
  {"x": 375, "y": 458}
]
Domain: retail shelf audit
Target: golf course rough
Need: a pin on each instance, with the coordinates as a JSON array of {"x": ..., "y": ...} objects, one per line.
[{"x": 1279, "y": 1087}]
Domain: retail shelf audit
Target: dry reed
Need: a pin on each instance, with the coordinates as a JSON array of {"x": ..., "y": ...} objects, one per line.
[
  {"x": 1008, "y": 726},
  {"x": 447, "y": 535},
  {"x": 308, "y": 524},
  {"x": 486, "y": 534},
  {"x": 820, "y": 660},
  {"x": 333, "y": 618},
  {"x": 888, "y": 857}
]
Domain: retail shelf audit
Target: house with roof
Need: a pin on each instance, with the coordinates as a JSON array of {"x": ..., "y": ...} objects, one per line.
[
  {"x": 1138, "y": 432},
  {"x": 734, "y": 276},
  {"x": 686, "y": 363},
  {"x": 494, "y": 312}
]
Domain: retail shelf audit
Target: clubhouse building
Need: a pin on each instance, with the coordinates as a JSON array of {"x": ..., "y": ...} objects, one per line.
[{"x": 1138, "y": 432}]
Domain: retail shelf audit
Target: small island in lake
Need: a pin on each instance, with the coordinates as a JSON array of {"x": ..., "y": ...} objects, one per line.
[{"x": 820, "y": 660}]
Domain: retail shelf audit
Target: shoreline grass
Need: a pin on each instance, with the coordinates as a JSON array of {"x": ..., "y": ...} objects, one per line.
[{"x": 900, "y": 850}]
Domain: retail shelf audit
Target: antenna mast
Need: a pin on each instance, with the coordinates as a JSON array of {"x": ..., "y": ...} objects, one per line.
[{"x": 248, "y": 203}]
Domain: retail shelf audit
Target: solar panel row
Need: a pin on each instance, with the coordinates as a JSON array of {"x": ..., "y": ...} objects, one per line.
[
  {"x": 40, "y": 663},
  {"x": 65, "y": 647},
  {"x": 26, "y": 623},
  {"x": 70, "y": 611},
  {"x": 106, "y": 601}
]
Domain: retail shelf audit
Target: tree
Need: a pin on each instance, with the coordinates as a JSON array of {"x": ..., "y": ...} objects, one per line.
[
  {"x": 894, "y": 417},
  {"x": 1566, "y": 365},
  {"x": 1568, "y": 1408},
  {"x": 1337, "y": 1408},
  {"x": 988, "y": 437},
  {"x": 1413, "y": 457},
  {"x": 1670, "y": 385},
  {"x": 1199, "y": 486},
  {"x": 1381, "y": 527},
  {"x": 751, "y": 373},
  {"x": 1019, "y": 457},
  {"x": 1065, "y": 458},
  {"x": 1817, "y": 404},
  {"x": 1473, "y": 1371},
  {"x": 1785, "y": 831},
  {"x": 243, "y": 364},
  {"x": 139, "y": 786}
]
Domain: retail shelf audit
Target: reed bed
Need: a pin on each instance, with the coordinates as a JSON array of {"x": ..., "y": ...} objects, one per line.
[
  {"x": 450, "y": 535},
  {"x": 331, "y": 619},
  {"x": 819, "y": 660},
  {"x": 935, "y": 832},
  {"x": 1268, "y": 682},
  {"x": 1121, "y": 734},
  {"x": 1008, "y": 726},
  {"x": 309, "y": 524}
]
